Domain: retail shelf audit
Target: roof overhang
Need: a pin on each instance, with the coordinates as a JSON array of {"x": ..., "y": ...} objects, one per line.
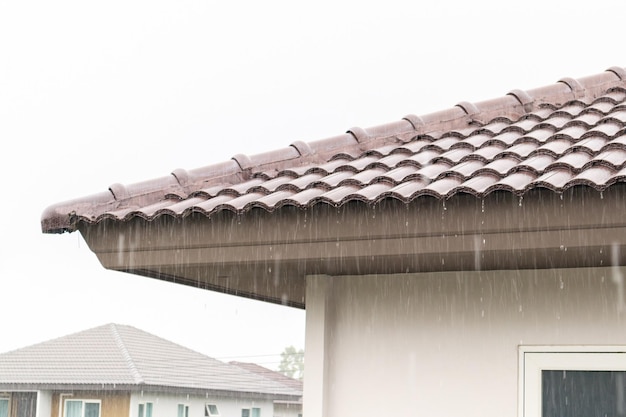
[
  {"x": 267, "y": 255},
  {"x": 110, "y": 387}
]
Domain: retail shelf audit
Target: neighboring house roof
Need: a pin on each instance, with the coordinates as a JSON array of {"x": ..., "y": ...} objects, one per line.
[
  {"x": 115, "y": 356},
  {"x": 270, "y": 374},
  {"x": 556, "y": 137}
]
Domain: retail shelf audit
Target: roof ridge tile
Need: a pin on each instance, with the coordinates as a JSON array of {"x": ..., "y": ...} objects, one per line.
[{"x": 132, "y": 367}]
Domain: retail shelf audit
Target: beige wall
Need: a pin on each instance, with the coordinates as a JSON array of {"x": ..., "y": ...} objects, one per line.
[
  {"x": 114, "y": 404},
  {"x": 445, "y": 344}
]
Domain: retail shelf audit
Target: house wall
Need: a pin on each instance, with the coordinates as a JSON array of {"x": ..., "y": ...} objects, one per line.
[
  {"x": 113, "y": 404},
  {"x": 22, "y": 403},
  {"x": 166, "y": 405},
  {"x": 44, "y": 403},
  {"x": 287, "y": 410},
  {"x": 444, "y": 344}
]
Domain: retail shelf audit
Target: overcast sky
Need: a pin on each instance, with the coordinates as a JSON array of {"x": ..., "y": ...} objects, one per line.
[{"x": 94, "y": 93}]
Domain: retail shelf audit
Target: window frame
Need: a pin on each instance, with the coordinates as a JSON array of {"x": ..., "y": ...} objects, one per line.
[
  {"x": 251, "y": 411},
  {"x": 185, "y": 409},
  {"x": 8, "y": 400},
  {"x": 145, "y": 405},
  {"x": 84, "y": 401},
  {"x": 534, "y": 359},
  {"x": 207, "y": 410}
]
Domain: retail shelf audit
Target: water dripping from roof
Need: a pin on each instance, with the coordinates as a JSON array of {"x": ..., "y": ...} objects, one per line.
[
  {"x": 477, "y": 247},
  {"x": 617, "y": 276}
]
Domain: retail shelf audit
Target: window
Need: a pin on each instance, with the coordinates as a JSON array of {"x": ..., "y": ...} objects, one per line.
[
  {"x": 144, "y": 410},
  {"x": 210, "y": 410},
  {"x": 183, "y": 410},
  {"x": 82, "y": 408},
  {"x": 251, "y": 412},
  {"x": 4, "y": 407},
  {"x": 575, "y": 381}
]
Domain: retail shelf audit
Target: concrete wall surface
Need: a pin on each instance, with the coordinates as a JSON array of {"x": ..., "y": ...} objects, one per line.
[{"x": 445, "y": 344}]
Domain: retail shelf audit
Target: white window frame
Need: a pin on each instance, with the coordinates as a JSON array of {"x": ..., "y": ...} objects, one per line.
[
  {"x": 8, "y": 400},
  {"x": 84, "y": 401},
  {"x": 185, "y": 409},
  {"x": 207, "y": 410},
  {"x": 145, "y": 408},
  {"x": 534, "y": 359},
  {"x": 251, "y": 411}
]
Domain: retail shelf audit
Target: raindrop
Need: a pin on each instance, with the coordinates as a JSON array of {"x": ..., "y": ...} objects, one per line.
[
  {"x": 269, "y": 269},
  {"x": 561, "y": 283},
  {"x": 561, "y": 196},
  {"x": 406, "y": 223},
  {"x": 482, "y": 205},
  {"x": 482, "y": 313},
  {"x": 520, "y": 200},
  {"x": 601, "y": 195},
  {"x": 520, "y": 308},
  {"x": 444, "y": 205}
]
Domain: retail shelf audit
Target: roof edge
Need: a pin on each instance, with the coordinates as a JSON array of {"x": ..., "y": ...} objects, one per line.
[
  {"x": 28, "y": 386},
  {"x": 60, "y": 218}
]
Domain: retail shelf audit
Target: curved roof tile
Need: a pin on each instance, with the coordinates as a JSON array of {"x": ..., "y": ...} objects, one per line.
[{"x": 562, "y": 135}]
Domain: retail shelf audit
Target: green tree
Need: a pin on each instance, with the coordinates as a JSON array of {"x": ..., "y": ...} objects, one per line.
[{"x": 292, "y": 362}]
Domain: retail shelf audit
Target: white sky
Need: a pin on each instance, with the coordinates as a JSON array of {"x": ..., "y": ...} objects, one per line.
[{"x": 94, "y": 93}]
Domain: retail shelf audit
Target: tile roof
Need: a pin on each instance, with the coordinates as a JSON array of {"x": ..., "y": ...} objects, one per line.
[
  {"x": 559, "y": 136},
  {"x": 123, "y": 356},
  {"x": 270, "y": 374}
]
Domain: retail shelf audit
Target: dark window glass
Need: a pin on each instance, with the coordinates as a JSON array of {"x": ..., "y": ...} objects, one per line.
[{"x": 583, "y": 393}]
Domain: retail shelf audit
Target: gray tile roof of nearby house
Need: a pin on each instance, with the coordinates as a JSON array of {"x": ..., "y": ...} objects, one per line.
[
  {"x": 270, "y": 374},
  {"x": 559, "y": 136},
  {"x": 115, "y": 356}
]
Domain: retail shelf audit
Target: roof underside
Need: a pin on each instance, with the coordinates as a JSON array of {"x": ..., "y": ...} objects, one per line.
[{"x": 540, "y": 144}]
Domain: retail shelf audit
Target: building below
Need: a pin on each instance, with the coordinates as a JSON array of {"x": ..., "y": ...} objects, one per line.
[{"x": 120, "y": 371}]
